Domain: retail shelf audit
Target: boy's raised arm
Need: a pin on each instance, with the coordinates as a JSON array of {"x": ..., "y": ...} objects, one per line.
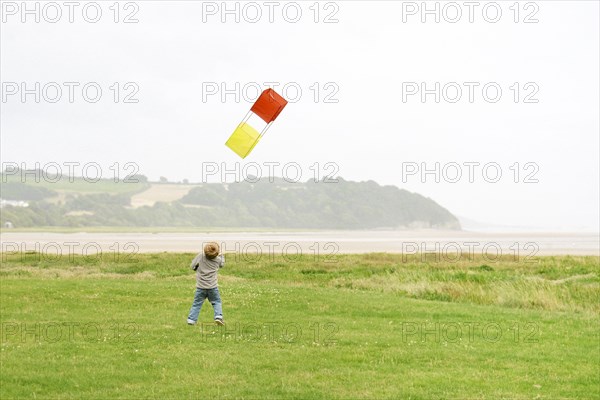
[
  {"x": 196, "y": 262},
  {"x": 222, "y": 263}
]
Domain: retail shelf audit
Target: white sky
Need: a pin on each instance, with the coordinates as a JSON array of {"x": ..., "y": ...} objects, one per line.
[{"x": 369, "y": 133}]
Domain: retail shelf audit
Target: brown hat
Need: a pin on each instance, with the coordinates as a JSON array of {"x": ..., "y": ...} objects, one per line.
[{"x": 211, "y": 250}]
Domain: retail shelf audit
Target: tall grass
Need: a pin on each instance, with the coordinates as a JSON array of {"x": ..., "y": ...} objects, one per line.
[{"x": 562, "y": 283}]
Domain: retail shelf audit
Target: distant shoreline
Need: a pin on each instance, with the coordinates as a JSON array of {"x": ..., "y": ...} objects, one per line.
[
  {"x": 521, "y": 244},
  {"x": 182, "y": 229}
]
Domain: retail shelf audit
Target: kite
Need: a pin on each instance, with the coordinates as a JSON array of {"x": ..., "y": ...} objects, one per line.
[{"x": 268, "y": 106}]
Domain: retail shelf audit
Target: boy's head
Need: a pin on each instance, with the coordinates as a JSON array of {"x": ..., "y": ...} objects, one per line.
[{"x": 211, "y": 250}]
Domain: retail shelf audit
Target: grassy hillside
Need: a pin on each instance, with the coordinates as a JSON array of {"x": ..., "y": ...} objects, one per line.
[
  {"x": 72, "y": 185},
  {"x": 362, "y": 326},
  {"x": 263, "y": 204}
]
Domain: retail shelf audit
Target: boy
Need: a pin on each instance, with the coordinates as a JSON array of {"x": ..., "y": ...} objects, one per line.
[{"x": 207, "y": 265}]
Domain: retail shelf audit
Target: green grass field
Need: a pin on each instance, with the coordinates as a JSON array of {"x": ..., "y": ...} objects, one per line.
[{"x": 363, "y": 326}]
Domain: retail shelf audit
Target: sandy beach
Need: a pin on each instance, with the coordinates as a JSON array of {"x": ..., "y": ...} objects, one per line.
[{"x": 319, "y": 242}]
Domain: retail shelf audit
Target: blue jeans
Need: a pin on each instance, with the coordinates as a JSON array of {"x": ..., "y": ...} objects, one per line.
[{"x": 200, "y": 296}]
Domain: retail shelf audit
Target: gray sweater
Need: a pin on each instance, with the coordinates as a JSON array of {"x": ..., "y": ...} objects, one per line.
[{"x": 206, "y": 271}]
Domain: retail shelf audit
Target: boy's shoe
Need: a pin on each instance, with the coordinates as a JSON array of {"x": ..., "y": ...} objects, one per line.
[
  {"x": 219, "y": 321},
  {"x": 191, "y": 322}
]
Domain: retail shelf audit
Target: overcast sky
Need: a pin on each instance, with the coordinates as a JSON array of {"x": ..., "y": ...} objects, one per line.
[{"x": 359, "y": 69}]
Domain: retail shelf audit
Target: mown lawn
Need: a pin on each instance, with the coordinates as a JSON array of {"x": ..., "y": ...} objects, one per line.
[{"x": 362, "y": 326}]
